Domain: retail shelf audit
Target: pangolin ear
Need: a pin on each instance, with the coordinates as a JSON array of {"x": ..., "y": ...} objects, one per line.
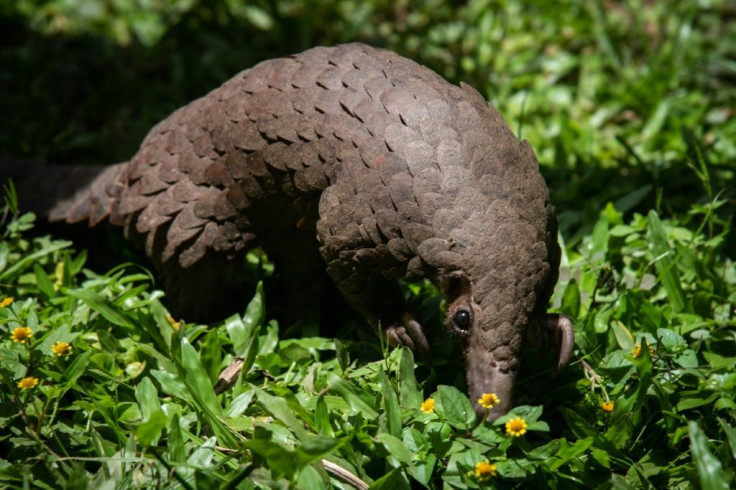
[{"x": 455, "y": 284}]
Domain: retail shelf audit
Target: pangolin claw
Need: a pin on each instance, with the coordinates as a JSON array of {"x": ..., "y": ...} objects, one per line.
[
  {"x": 410, "y": 334},
  {"x": 562, "y": 332}
]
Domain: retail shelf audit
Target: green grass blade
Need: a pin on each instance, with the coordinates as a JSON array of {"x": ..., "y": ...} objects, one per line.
[
  {"x": 111, "y": 312},
  {"x": 664, "y": 263}
]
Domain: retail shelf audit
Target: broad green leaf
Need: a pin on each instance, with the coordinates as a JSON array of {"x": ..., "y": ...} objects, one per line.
[
  {"x": 422, "y": 471},
  {"x": 343, "y": 388},
  {"x": 196, "y": 378},
  {"x": 454, "y": 406},
  {"x": 567, "y": 452},
  {"x": 200, "y": 391},
  {"x": 280, "y": 410},
  {"x": 240, "y": 403},
  {"x": 571, "y": 299},
  {"x": 601, "y": 456},
  {"x": 172, "y": 385},
  {"x": 515, "y": 468},
  {"x": 77, "y": 368},
  {"x": 313, "y": 448},
  {"x": 147, "y": 397},
  {"x": 665, "y": 405},
  {"x": 644, "y": 367},
  {"x": 414, "y": 440},
  {"x": 175, "y": 441},
  {"x": 210, "y": 354},
  {"x": 671, "y": 340},
  {"x": 395, "y": 447},
  {"x": 528, "y": 413},
  {"x": 459, "y": 465},
  {"x": 280, "y": 460},
  {"x": 267, "y": 343},
  {"x": 149, "y": 431},
  {"x": 322, "y": 418},
  {"x": 251, "y": 350},
  {"x": 710, "y": 470},
  {"x": 730, "y": 435},
  {"x": 255, "y": 313},
  {"x": 395, "y": 480},
  {"x": 580, "y": 427},
  {"x": 544, "y": 452},
  {"x": 623, "y": 337},
  {"x": 411, "y": 395},
  {"x": 717, "y": 360},
  {"x": 78, "y": 477},
  {"x": 724, "y": 403},
  {"x": 236, "y": 331},
  {"x": 694, "y": 399},
  {"x": 342, "y": 354},
  {"x": 242, "y": 331},
  {"x": 602, "y": 320},
  {"x": 390, "y": 404},
  {"x": 688, "y": 359},
  {"x": 44, "y": 283},
  {"x": 308, "y": 477},
  {"x": 203, "y": 455},
  {"x": 598, "y": 242}
]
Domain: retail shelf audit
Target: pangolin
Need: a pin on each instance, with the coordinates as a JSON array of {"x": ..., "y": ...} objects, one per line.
[{"x": 360, "y": 156}]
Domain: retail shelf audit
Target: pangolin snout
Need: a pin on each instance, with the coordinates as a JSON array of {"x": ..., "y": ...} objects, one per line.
[{"x": 488, "y": 378}]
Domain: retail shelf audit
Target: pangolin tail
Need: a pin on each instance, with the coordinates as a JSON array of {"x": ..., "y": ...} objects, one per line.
[{"x": 66, "y": 192}]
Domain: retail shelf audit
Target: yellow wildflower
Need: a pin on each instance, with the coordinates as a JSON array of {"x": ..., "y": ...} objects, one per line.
[
  {"x": 488, "y": 400},
  {"x": 28, "y": 383},
  {"x": 484, "y": 470},
  {"x": 6, "y": 302},
  {"x": 174, "y": 324},
  {"x": 516, "y": 427},
  {"x": 428, "y": 405},
  {"x": 22, "y": 334},
  {"x": 61, "y": 349},
  {"x": 607, "y": 406},
  {"x": 636, "y": 351}
]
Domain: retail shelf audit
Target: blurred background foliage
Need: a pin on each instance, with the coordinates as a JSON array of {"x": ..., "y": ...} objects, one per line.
[{"x": 617, "y": 98}]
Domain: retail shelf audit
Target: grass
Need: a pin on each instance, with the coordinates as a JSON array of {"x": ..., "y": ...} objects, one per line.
[{"x": 629, "y": 107}]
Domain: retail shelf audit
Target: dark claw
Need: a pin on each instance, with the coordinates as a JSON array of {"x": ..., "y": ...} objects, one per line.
[
  {"x": 410, "y": 334},
  {"x": 562, "y": 332},
  {"x": 398, "y": 336}
]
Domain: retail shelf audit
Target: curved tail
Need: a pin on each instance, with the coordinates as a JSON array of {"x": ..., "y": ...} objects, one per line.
[{"x": 64, "y": 192}]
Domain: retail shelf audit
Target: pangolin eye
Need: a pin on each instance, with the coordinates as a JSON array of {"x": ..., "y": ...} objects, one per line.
[{"x": 461, "y": 320}]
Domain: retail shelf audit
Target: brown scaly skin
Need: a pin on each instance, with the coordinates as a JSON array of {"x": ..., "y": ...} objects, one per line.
[{"x": 397, "y": 173}]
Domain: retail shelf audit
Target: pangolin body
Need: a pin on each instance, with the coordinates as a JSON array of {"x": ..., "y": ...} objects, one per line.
[{"x": 392, "y": 172}]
